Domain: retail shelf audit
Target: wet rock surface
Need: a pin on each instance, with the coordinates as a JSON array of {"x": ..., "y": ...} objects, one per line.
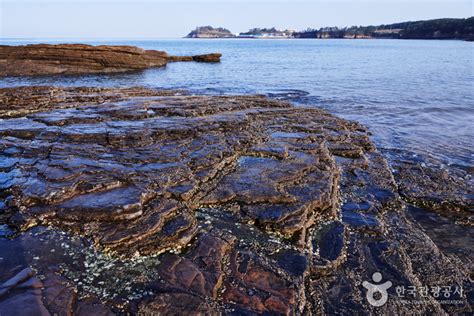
[
  {"x": 145, "y": 201},
  {"x": 47, "y": 59},
  {"x": 429, "y": 185}
]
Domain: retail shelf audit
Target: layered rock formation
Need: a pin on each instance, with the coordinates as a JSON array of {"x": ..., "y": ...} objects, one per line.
[
  {"x": 45, "y": 59},
  {"x": 157, "y": 202}
]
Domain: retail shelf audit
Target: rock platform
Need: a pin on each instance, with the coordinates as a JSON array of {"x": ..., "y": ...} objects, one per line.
[
  {"x": 72, "y": 59},
  {"x": 159, "y": 202}
]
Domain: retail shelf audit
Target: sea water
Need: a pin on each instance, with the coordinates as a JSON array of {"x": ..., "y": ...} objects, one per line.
[{"x": 416, "y": 97}]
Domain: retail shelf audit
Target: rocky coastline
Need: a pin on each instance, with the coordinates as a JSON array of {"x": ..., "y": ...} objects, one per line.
[
  {"x": 66, "y": 59},
  {"x": 149, "y": 201}
]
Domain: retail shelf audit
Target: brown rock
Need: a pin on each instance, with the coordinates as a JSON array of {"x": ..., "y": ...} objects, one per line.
[
  {"x": 59, "y": 296},
  {"x": 245, "y": 301},
  {"x": 275, "y": 305},
  {"x": 46, "y": 59},
  {"x": 256, "y": 286},
  {"x": 27, "y": 295},
  {"x": 201, "y": 272},
  {"x": 184, "y": 274},
  {"x": 176, "y": 304},
  {"x": 87, "y": 307},
  {"x": 208, "y": 58}
]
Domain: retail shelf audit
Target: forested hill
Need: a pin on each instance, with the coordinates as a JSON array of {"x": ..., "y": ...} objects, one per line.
[
  {"x": 429, "y": 29},
  {"x": 210, "y": 32}
]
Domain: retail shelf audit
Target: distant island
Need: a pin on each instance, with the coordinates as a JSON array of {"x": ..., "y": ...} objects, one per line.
[
  {"x": 267, "y": 32},
  {"x": 462, "y": 29},
  {"x": 210, "y": 32}
]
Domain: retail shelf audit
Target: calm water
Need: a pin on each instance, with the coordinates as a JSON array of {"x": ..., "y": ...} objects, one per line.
[{"x": 416, "y": 97}]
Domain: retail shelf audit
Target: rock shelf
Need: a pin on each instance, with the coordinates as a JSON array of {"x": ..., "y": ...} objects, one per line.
[
  {"x": 47, "y": 59},
  {"x": 217, "y": 204}
]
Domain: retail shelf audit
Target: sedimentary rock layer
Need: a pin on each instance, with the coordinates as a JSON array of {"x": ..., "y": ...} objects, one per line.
[
  {"x": 44, "y": 59},
  {"x": 157, "y": 202}
]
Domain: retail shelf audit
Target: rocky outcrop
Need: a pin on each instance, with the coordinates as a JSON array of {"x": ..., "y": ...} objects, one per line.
[
  {"x": 206, "y": 58},
  {"x": 210, "y": 32},
  {"x": 157, "y": 202},
  {"x": 44, "y": 59}
]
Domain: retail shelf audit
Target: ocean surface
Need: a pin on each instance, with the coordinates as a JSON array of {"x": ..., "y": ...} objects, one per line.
[{"x": 416, "y": 97}]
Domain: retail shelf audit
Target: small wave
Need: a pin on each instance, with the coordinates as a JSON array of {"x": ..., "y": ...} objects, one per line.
[{"x": 290, "y": 94}]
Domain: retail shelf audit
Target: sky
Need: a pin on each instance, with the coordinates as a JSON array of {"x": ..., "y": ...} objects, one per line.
[{"x": 172, "y": 19}]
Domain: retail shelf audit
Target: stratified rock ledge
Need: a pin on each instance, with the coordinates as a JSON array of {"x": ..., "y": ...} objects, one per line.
[
  {"x": 201, "y": 205},
  {"x": 46, "y": 59}
]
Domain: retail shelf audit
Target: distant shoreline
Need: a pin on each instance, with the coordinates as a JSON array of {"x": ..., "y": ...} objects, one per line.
[
  {"x": 444, "y": 29},
  {"x": 331, "y": 38},
  {"x": 5, "y": 42}
]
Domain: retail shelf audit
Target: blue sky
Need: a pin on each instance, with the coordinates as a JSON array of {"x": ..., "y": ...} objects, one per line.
[{"x": 168, "y": 19}]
